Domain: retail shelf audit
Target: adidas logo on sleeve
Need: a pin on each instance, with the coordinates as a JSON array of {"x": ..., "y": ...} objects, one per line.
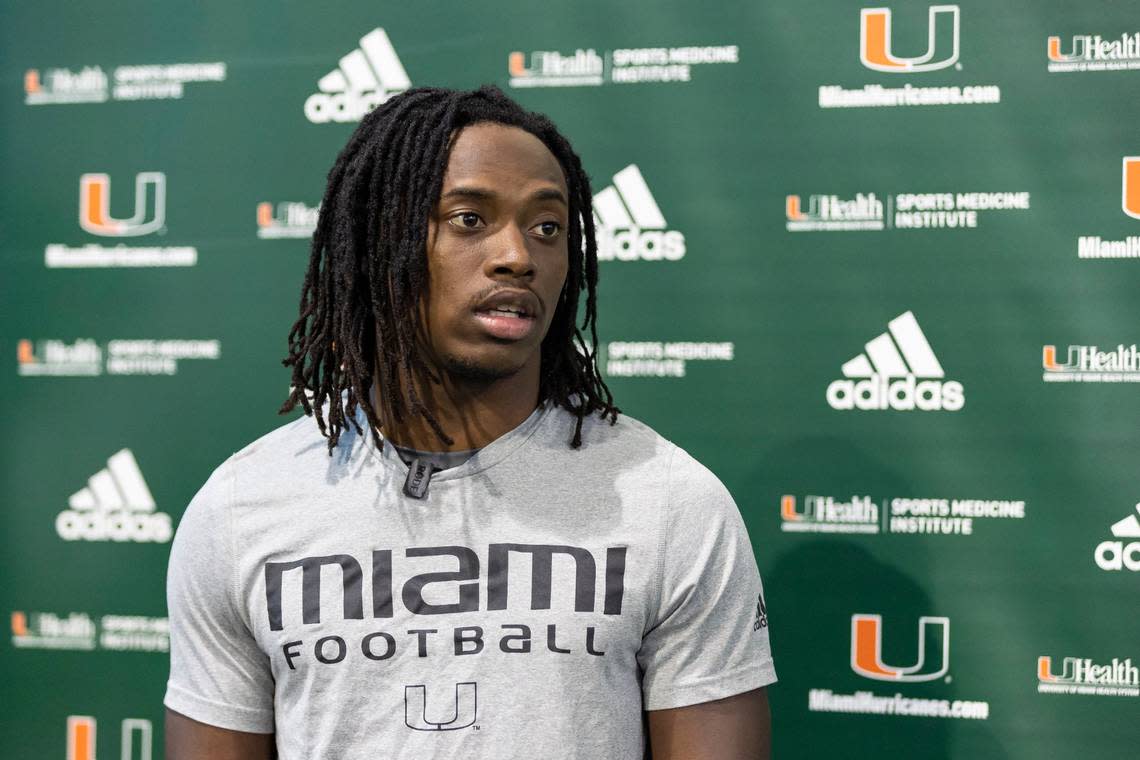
[
  {"x": 630, "y": 225},
  {"x": 898, "y": 370},
  {"x": 116, "y": 505},
  {"x": 365, "y": 78}
]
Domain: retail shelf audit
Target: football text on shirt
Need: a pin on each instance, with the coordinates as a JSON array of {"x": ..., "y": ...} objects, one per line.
[{"x": 380, "y": 645}]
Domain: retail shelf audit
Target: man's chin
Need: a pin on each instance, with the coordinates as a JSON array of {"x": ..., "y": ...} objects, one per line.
[{"x": 472, "y": 370}]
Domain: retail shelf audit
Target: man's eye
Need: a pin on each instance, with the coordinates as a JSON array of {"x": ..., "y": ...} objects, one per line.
[
  {"x": 548, "y": 229},
  {"x": 467, "y": 220}
]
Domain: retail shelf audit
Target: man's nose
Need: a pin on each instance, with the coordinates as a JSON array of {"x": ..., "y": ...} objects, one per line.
[{"x": 509, "y": 255}]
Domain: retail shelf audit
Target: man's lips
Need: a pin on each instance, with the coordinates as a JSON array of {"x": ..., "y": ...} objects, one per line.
[
  {"x": 508, "y": 314},
  {"x": 506, "y": 327}
]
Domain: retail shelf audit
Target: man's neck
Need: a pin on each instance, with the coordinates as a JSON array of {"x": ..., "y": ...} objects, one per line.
[{"x": 471, "y": 413}]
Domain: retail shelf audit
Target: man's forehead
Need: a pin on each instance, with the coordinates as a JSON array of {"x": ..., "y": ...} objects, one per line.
[{"x": 496, "y": 153}]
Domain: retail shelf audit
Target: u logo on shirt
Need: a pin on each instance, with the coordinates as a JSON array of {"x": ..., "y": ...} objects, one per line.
[{"x": 416, "y": 713}]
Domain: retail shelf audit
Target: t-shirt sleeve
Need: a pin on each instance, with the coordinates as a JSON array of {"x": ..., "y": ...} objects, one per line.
[
  {"x": 708, "y": 638},
  {"x": 218, "y": 674}
]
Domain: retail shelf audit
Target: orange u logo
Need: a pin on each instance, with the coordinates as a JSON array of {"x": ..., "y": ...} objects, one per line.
[
  {"x": 95, "y": 205},
  {"x": 867, "y": 648},
  {"x": 1130, "y": 192},
  {"x": 875, "y": 41}
]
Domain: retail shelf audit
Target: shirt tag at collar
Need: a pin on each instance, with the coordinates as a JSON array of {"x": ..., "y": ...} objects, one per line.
[{"x": 419, "y": 476}]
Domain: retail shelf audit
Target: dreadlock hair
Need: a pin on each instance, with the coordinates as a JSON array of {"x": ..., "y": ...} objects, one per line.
[{"x": 368, "y": 269}]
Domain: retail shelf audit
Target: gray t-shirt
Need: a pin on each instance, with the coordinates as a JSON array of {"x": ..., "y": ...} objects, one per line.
[{"x": 532, "y": 605}]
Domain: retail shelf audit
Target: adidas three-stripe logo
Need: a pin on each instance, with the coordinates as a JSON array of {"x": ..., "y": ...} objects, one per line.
[
  {"x": 119, "y": 486},
  {"x": 1129, "y": 527},
  {"x": 116, "y": 505},
  {"x": 640, "y": 208},
  {"x": 902, "y": 352},
  {"x": 885, "y": 359},
  {"x": 365, "y": 78},
  {"x": 630, "y": 224}
]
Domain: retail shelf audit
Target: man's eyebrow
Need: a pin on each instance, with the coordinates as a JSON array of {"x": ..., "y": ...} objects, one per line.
[
  {"x": 483, "y": 194},
  {"x": 474, "y": 193},
  {"x": 550, "y": 194}
]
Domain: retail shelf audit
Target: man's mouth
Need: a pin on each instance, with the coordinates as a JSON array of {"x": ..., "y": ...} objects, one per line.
[
  {"x": 515, "y": 312},
  {"x": 508, "y": 314}
]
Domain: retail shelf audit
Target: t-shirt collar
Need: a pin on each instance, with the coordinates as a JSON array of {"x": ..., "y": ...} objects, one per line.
[{"x": 488, "y": 456}]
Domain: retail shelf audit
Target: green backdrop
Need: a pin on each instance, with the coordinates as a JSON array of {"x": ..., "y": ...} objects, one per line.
[{"x": 876, "y": 267}]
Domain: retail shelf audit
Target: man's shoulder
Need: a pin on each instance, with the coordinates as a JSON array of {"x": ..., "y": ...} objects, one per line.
[
  {"x": 602, "y": 435},
  {"x": 634, "y": 441},
  {"x": 630, "y": 443},
  {"x": 289, "y": 448},
  {"x": 287, "y": 439}
]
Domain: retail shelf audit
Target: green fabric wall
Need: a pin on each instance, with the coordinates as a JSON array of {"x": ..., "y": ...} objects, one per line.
[{"x": 780, "y": 294}]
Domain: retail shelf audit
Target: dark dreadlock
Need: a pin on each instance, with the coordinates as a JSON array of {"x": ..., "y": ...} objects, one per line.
[{"x": 368, "y": 268}]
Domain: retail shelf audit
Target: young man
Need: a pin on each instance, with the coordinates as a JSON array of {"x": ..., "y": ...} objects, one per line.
[{"x": 480, "y": 558}]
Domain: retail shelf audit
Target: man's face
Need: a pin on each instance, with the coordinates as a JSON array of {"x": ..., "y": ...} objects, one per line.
[{"x": 496, "y": 254}]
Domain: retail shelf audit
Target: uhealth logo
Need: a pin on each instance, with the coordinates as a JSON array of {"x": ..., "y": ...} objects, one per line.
[
  {"x": 78, "y": 631},
  {"x": 824, "y": 514},
  {"x": 56, "y": 86},
  {"x": 1117, "y": 555},
  {"x": 867, "y": 650},
  {"x": 870, "y": 377},
  {"x": 290, "y": 219},
  {"x": 91, "y": 84},
  {"x": 365, "y": 78},
  {"x": 1089, "y": 364},
  {"x": 630, "y": 225},
  {"x": 46, "y": 630},
  {"x": 904, "y": 211},
  {"x": 553, "y": 69},
  {"x": 875, "y": 42},
  {"x": 900, "y": 515},
  {"x": 95, "y": 205},
  {"x": 832, "y": 213},
  {"x": 589, "y": 68},
  {"x": 1091, "y": 52},
  {"x": 1081, "y": 675},
  {"x": 116, "y": 505},
  {"x": 85, "y": 357}
]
